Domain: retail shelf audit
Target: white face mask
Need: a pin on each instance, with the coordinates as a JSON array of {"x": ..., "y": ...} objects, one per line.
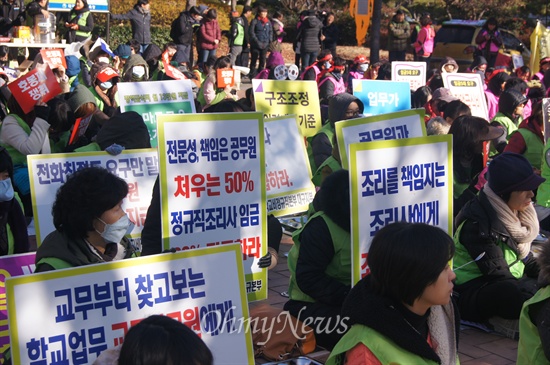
[
  {"x": 103, "y": 59},
  {"x": 116, "y": 231},
  {"x": 363, "y": 67},
  {"x": 106, "y": 85},
  {"x": 6, "y": 190},
  {"x": 327, "y": 65}
]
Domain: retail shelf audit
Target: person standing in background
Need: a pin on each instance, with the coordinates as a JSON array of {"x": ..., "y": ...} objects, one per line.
[
  {"x": 399, "y": 33},
  {"x": 331, "y": 34},
  {"x": 80, "y": 22},
  {"x": 140, "y": 20},
  {"x": 309, "y": 36}
]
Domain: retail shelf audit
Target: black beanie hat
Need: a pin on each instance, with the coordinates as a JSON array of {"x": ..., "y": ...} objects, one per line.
[
  {"x": 510, "y": 172},
  {"x": 126, "y": 129}
]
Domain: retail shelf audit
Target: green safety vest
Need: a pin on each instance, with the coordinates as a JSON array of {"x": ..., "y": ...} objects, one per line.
[
  {"x": 533, "y": 152},
  {"x": 508, "y": 124},
  {"x": 82, "y": 22},
  {"x": 340, "y": 266},
  {"x": 17, "y": 157},
  {"x": 331, "y": 162},
  {"x": 385, "y": 350},
  {"x": 530, "y": 349},
  {"x": 470, "y": 272},
  {"x": 239, "y": 39},
  {"x": 543, "y": 192},
  {"x": 54, "y": 262},
  {"x": 328, "y": 130}
]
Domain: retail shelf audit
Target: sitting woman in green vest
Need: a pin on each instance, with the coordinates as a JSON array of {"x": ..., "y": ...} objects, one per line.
[
  {"x": 13, "y": 226},
  {"x": 469, "y": 133},
  {"x": 528, "y": 140},
  {"x": 80, "y": 22},
  {"x": 402, "y": 312},
  {"x": 534, "y": 321},
  {"x": 104, "y": 87},
  {"x": 320, "y": 263},
  {"x": 209, "y": 93},
  {"x": 25, "y": 134},
  {"x": 90, "y": 222},
  {"x": 496, "y": 230},
  {"x": 509, "y": 116}
]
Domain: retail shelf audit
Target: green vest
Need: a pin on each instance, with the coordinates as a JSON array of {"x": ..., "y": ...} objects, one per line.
[
  {"x": 508, "y": 124},
  {"x": 340, "y": 266},
  {"x": 331, "y": 162},
  {"x": 82, "y": 22},
  {"x": 328, "y": 130},
  {"x": 534, "y": 147},
  {"x": 92, "y": 147},
  {"x": 530, "y": 349},
  {"x": 458, "y": 188},
  {"x": 543, "y": 192},
  {"x": 17, "y": 157},
  {"x": 385, "y": 350},
  {"x": 54, "y": 262},
  {"x": 471, "y": 271},
  {"x": 239, "y": 39}
]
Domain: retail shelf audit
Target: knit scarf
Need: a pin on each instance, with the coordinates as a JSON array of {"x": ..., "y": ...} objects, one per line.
[
  {"x": 263, "y": 20},
  {"x": 523, "y": 226}
]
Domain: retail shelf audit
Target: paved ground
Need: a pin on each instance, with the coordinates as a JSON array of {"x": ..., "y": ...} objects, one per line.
[{"x": 475, "y": 348}]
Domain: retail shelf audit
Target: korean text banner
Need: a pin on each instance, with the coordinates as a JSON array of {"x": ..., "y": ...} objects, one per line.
[
  {"x": 212, "y": 182},
  {"x": 398, "y": 125},
  {"x": 54, "y": 57},
  {"x": 85, "y": 310},
  {"x": 152, "y": 98},
  {"x": 282, "y": 97},
  {"x": 10, "y": 266},
  {"x": 33, "y": 86},
  {"x": 399, "y": 180},
  {"x": 412, "y": 72},
  {"x": 381, "y": 97},
  {"x": 96, "y": 6},
  {"x": 288, "y": 175},
  {"x": 139, "y": 168},
  {"x": 468, "y": 87}
]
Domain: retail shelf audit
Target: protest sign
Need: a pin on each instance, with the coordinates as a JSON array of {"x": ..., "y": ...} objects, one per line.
[
  {"x": 468, "y": 87},
  {"x": 139, "y": 168},
  {"x": 170, "y": 70},
  {"x": 225, "y": 77},
  {"x": 381, "y": 97},
  {"x": 85, "y": 310},
  {"x": 96, "y": 6},
  {"x": 399, "y": 180},
  {"x": 10, "y": 266},
  {"x": 54, "y": 58},
  {"x": 152, "y": 98},
  {"x": 212, "y": 183},
  {"x": 398, "y": 125},
  {"x": 412, "y": 72},
  {"x": 283, "y": 97},
  {"x": 33, "y": 86},
  {"x": 288, "y": 175}
]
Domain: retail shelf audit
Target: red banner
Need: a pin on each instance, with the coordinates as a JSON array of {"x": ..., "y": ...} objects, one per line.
[
  {"x": 29, "y": 88},
  {"x": 54, "y": 57}
]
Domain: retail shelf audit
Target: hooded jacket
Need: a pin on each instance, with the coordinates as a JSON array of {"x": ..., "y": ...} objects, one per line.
[
  {"x": 448, "y": 61},
  {"x": 134, "y": 60},
  {"x": 508, "y": 101},
  {"x": 309, "y": 34},
  {"x": 140, "y": 22}
]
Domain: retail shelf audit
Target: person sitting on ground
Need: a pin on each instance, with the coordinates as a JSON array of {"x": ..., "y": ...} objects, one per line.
[
  {"x": 324, "y": 61},
  {"x": 91, "y": 235},
  {"x": 209, "y": 93},
  {"x": 402, "y": 311},
  {"x": 493, "y": 91},
  {"x": 448, "y": 65},
  {"x": 357, "y": 71},
  {"x": 104, "y": 87},
  {"x": 320, "y": 263},
  {"x": 331, "y": 81},
  {"x": 135, "y": 69},
  {"x": 528, "y": 139},
  {"x": 455, "y": 109},
  {"x": 509, "y": 116},
  {"x": 496, "y": 229}
]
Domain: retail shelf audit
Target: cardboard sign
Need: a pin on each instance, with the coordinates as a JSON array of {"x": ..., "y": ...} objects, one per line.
[
  {"x": 412, "y": 72},
  {"x": 225, "y": 77},
  {"x": 275, "y": 98},
  {"x": 12, "y": 265},
  {"x": 139, "y": 168},
  {"x": 33, "y": 86},
  {"x": 54, "y": 58},
  {"x": 399, "y": 180},
  {"x": 153, "y": 98},
  {"x": 85, "y": 310},
  {"x": 212, "y": 183},
  {"x": 398, "y": 125},
  {"x": 288, "y": 174},
  {"x": 382, "y": 97},
  {"x": 468, "y": 87}
]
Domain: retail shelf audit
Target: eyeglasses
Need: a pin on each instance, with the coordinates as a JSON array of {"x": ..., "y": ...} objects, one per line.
[{"x": 352, "y": 113}]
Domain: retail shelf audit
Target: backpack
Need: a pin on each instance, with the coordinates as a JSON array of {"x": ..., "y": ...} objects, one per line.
[{"x": 175, "y": 31}]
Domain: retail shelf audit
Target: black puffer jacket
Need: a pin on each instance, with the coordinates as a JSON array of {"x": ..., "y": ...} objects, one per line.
[
  {"x": 140, "y": 22},
  {"x": 310, "y": 33}
]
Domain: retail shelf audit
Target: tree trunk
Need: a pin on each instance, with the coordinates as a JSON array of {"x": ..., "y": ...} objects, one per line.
[{"x": 375, "y": 31}]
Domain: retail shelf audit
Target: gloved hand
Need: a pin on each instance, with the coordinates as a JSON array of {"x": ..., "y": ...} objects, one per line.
[{"x": 270, "y": 260}]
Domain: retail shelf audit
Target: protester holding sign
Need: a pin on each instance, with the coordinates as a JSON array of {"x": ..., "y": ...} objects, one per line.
[
  {"x": 320, "y": 263},
  {"x": 496, "y": 230},
  {"x": 209, "y": 93},
  {"x": 89, "y": 220},
  {"x": 402, "y": 312}
]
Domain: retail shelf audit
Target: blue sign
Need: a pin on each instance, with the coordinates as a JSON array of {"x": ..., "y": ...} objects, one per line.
[{"x": 381, "y": 97}]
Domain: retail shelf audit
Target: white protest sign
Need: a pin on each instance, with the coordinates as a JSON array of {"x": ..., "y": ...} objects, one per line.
[
  {"x": 288, "y": 174},
  {"x": 399, "y": 180},
  {"x": 212, "y": 183},
  {"x": 139, "y": 168},
  {"x": 398, "y": 125},
  {"x": 83, "y": 311},
  {"x": 468, "y": 87},
  {"x": 152, "y": 98},
  {"x": 412, "y": 72}
]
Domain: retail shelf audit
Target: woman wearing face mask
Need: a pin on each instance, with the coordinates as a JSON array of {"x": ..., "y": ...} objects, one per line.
[
  {"x": 331, "y": 82},
  {"x": 357, "y": 71},
  {"x": 104, "y": 87},
  {"x": 13, "y": 227},
  {"x": 90, "y": 222}
]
